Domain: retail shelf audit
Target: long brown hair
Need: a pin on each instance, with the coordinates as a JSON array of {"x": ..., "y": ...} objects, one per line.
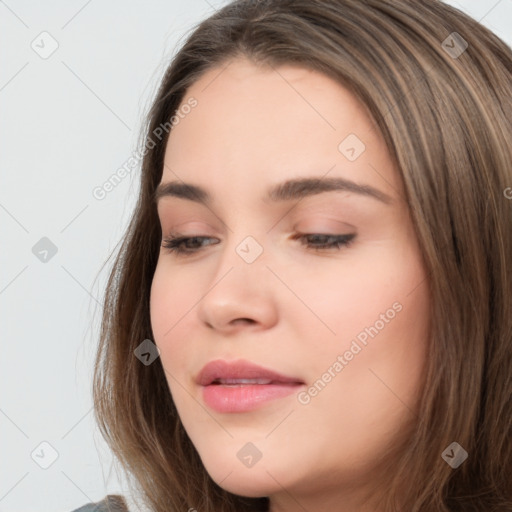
[{"x": 445, "y": 112}]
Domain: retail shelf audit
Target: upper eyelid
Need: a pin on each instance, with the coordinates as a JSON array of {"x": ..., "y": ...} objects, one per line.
[{"x": 307, "y": 202}]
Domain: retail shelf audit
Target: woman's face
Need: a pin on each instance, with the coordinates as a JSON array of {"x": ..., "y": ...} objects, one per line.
[{"x": 344, "y": 326}]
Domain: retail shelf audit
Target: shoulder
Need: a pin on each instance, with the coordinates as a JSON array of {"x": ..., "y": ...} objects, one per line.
[{"x": 111, "y": 503}]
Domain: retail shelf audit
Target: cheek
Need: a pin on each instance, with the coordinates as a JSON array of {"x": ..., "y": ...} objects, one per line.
[
  {"x": 369, "y": 400},
  {"x": 383, "y": 329},
  {"x": 350, "y": 296},
  {"x": 379, "y": 310},
  {"x": 171, "y": 302}
]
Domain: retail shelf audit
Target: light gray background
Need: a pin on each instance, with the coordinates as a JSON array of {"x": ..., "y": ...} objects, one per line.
[{"x": 68, "y": 122}]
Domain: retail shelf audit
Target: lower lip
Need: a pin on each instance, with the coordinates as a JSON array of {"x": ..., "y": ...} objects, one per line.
[{"x": 245, "y": 397}]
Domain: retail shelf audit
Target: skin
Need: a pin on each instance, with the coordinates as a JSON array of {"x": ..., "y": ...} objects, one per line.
[{"x": 294, "y": 309}]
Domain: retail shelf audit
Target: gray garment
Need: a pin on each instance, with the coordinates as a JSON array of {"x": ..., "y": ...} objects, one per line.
[{"x": 111, "y": 503}]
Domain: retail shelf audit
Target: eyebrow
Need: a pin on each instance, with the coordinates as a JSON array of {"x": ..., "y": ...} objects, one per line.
[{"x": 286, "y": 191}]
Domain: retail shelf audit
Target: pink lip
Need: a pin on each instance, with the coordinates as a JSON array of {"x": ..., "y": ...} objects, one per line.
[{"x": 243, "y": 396}]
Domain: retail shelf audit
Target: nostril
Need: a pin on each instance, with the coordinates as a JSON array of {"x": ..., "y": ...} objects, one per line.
[{"x": 244, "y": 320}]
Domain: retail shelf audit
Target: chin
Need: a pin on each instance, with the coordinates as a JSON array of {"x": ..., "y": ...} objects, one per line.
[
  {"x": 247, "y": 485},
  {"x": 252, "y": 482}
]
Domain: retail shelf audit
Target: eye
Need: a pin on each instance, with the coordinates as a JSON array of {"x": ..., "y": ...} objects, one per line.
[
  {"x": 322, "y": 242},
  {"x": 182, "y": 245},
  {"x": 176, "y": 244}
]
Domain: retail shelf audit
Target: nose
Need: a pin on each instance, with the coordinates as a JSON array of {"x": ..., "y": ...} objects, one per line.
[{"x": 239, "y": 296}]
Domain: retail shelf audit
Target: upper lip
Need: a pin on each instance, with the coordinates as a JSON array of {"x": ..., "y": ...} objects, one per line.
[{"x": 240, "y": 369}]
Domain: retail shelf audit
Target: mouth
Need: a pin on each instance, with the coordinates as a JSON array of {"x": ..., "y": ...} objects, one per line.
[
  {"x": 241, "y": 382},
  {"x": 242, "y": 386},
  {"x": 241, "y": 372}
]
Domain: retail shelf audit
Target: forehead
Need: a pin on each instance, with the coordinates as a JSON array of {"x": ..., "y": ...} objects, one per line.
[{"x": 256, "y": 125}]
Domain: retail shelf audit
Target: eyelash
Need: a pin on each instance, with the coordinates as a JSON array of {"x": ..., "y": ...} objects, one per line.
[{"x": 173, "y": 244}]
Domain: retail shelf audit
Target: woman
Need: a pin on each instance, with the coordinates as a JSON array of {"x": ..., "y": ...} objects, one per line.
[{"x": 311, "y": 307}]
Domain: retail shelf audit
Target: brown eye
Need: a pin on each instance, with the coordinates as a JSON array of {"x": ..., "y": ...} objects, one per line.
[
  {"x": 325, "y": 242},
  {"x": 184, "y": 245}
]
